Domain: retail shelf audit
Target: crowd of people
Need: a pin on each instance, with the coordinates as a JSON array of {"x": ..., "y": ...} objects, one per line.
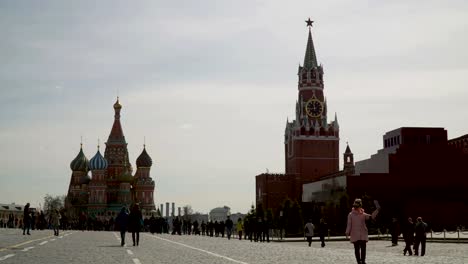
[{"x": 250, "y": 228}]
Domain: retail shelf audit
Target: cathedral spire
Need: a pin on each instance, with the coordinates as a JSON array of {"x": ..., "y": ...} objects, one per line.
[
  {"x": 310, "y": 59},
  {"x": 116, "y": 134}
]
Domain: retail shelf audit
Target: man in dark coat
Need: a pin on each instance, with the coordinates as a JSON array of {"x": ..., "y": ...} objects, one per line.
[
  {"x": 322, "y": 230},
  {"x": 26, "y": 219},
  {"x": 420, "y": 230},
  {"x": 135, "y": 221},
  {"x": 408, "y": 235},
  {"x": 395, "y": 231},
  {"x": 229, "y": 224},
  {"x": 122, "y": 223}
]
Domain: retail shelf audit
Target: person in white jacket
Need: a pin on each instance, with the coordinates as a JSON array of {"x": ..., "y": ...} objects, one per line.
[{"x": 309, "y": 231}]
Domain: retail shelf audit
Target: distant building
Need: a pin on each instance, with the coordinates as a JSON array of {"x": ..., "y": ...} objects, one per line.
[
  {"x": 220, "y": 213},
  {"x": 112, "y": 185},
  {"x": 12, "y": 210},
  {"x": 235, "y": 217},
  {"x": 199, "y": 217},
  {"x": 418, "y": 172}
]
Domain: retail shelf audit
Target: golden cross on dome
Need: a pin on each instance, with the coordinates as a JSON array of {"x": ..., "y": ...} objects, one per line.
[{"x": 309, "y": 22}]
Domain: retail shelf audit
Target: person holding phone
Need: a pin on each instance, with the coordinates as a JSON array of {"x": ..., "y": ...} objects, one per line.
[{"x": 357, "y": 230}]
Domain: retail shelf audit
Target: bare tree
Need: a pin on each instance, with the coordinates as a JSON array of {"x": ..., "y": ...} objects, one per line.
[{"x": 53, "y": 202}]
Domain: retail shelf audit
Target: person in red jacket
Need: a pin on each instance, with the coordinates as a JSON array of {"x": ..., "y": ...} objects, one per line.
[{"x": 357, "y": 229}]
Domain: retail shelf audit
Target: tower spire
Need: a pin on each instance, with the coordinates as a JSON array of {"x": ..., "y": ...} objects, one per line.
[
  {"x": 116, "y": 134},
  {"x": 310, "y": 59}
]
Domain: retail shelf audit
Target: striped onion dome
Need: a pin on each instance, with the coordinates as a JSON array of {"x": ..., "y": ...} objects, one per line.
[
  {"x": 144, "y": 160},
  {"x": 98, "y": 162},
  {"x": 80, "y": 163}
]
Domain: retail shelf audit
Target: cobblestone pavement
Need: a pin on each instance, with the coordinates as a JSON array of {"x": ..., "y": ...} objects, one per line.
[{"x": 104, "y": 247}]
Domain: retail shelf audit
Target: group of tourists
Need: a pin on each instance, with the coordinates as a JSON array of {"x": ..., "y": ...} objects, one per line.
[{"x": 251, "y": 228}]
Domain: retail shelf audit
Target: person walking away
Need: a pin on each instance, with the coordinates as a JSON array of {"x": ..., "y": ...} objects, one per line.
[
  {"x": 309, "y": 231},
  {"x": 266, "y": 230},
  {"x": 203, "y": 227},
  {"x": 357, "y": 230},
  {"x": 395, "y": 231},
  {"x": 229, "y": 224},
  {"x": 56, "y": 221},
  {"x": 323, "y": 230},
  {"x": 122, "y": 224},
  {"x": 135, "y": 220},
  {"x": 26, "y": 219},
  {"x": 240, "y": 227},
  {"x": 420, "y": 230},
  {"x": 408, "y": 235}
]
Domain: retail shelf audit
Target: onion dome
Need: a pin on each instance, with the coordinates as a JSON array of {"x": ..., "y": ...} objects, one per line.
[
  {"x": 98, "y": 162},
  {"x": 144, "y": 160},
  {"x": 80, "y": 163},
  {"x": 117, "y": 104},
  {"x": 85, "y": 179}
]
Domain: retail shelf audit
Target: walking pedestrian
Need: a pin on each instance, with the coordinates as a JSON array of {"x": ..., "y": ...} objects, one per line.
[
  {"x": 309, "y": 231},
  {"x": 26, "y": 219},
  {"x": 203, "y": 227},
  {"x": 323, "y": 230},
  {"x": 420, "y": 229},
  {"x": 135, "y": 221},
  {"x": 55, "y": 221},
  {"x": 229, "y": 224},
  {"x": 408, "y": 235},
  {"x": 240, "y": 227},
  {"x": 395, "y": 231},
  {"x": 357, "y": 229},
  {"x": 122, "y": 223}
]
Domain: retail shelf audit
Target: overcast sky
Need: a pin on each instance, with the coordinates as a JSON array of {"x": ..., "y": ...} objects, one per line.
[{"x": 211, "y": 83}]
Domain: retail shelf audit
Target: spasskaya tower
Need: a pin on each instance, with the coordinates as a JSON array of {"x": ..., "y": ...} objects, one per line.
[{"x": 311, "y": 142}]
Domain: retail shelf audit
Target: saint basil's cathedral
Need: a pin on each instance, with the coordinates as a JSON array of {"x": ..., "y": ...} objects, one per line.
[{"x": 112, "y": 184}]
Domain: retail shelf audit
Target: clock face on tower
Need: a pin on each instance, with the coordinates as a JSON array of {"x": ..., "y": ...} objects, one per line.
[{"x": 314, "y": 107}]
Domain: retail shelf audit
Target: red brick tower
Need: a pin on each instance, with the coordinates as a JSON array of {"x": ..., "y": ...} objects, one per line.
[
  {"x": 311, "y": 143},
  {"x": 119, "y": 169}
]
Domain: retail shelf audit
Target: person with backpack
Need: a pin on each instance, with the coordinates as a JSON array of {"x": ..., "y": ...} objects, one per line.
[
  {"x": 309, "y": 231},
  {"x": 420, "y": 238}
]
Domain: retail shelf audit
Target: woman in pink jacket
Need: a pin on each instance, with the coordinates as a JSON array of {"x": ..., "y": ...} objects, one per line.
[{"x": 357, "y": 229}]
